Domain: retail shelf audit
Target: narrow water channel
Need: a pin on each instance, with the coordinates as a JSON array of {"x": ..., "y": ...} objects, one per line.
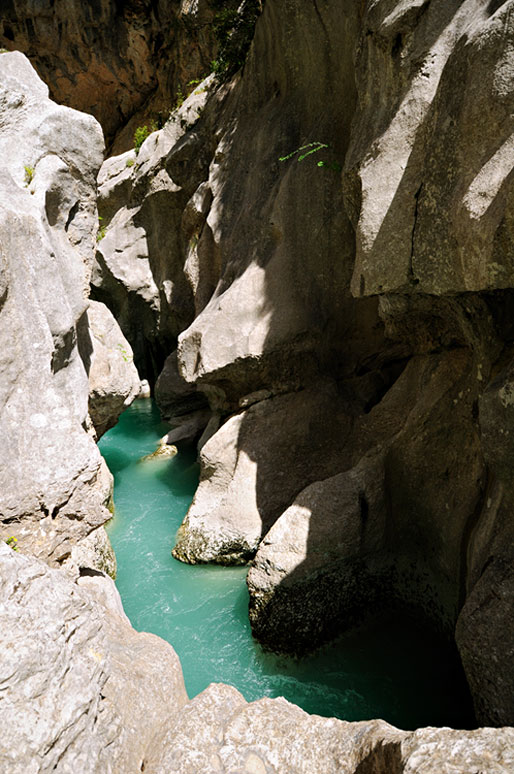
[{"x": 389, "y": 671}]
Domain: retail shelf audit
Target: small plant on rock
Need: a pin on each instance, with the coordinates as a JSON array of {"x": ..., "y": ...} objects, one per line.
[
  {"x": 308, "y": 150},
  {"x": 12, "y": 542},
  {"x": 101, "y": 230},
  {"x": 29, "y": 175},
  {"x": 140, "y": 135}
]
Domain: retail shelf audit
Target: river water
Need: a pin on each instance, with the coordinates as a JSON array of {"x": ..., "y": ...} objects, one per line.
[{"x": 390, "y": 670}]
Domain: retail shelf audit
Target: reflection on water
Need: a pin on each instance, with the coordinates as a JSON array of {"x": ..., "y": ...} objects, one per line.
[{"x": 390, "y": 670}]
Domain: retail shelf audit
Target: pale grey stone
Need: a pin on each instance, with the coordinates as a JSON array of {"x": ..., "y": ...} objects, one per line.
[
  {"x": 53, "y": 487},
  {"x": 113, "y": 378},
  {"x": 81, "y": 690}
]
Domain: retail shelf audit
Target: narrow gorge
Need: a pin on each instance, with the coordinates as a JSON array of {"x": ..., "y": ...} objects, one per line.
[{"x": 293, "y": 222}]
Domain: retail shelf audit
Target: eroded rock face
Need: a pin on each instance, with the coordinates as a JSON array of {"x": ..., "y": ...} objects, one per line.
[
  {"x": 431, "y": 178},
  {"x": 219, "y": 731},
  {"x": 395, "y": 286},
  {"x": 140, "y": 269},
  {"x": 81, "y": 689},
  {"x": 252, "y": 468},
  {"x": 53, "y": 485},
  {"x": 113, "y": 378}
]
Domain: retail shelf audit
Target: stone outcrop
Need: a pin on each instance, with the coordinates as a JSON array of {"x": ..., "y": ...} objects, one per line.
[
  {"x": 251, "y": 469},
  {"x": 347, "y": 317},
  {"x": 394, "y": 286},
  {"x": 124, "y": 63},
  {"x": 53, "y": 484},
  {"x": 141, "y": 270},
  {"x": 81, "y": 690},
  {"x": 113, "y": 378}
]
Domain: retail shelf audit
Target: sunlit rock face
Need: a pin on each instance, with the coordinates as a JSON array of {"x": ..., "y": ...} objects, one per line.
[
  {"x": 113, "y": 378},
  {"x": 122, "y": 62},
  {"x": 53, "y": 484},
  {"x": 81, "y": 689},
  {"x": 379, "y": 265}
]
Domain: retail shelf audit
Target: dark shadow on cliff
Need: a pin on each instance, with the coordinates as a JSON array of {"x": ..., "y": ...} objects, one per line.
[{"x": 306, "y": 247}]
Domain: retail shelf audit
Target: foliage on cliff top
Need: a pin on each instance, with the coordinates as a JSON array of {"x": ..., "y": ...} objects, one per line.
[{"x": 233, "y": 30}]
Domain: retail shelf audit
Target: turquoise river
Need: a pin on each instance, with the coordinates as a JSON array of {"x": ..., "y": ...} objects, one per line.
[{"x": 406, "y": 677}]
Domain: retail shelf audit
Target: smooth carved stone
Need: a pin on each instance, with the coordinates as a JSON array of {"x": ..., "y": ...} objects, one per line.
[
  {"x": 428, "y": 181},
  {"x": 253, "y": 466},
  {"x": 318, "y": 570},
  {"x": 113, "y": 379}
]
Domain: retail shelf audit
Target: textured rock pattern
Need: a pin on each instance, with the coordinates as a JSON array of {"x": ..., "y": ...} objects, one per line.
[
  {"x": 397, "y": 285},
  {"x": 140, "y": 264},
  {"x": 251, "y": 469},
  {"x": 113, "y": 378},
  {"x": 217, "y": 731},
  {"x": 81, "y": 690},
  {"x": 53, "y": 486}
]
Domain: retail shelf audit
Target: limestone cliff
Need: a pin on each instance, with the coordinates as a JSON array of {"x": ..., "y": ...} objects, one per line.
[
  {"x": 54, "y": 486},
  {"x": 351, "y": 317},
  {"x": 125, "y": 63},
  {"x": 347, "y": 319},
  {"x": 82, "y": 691}
]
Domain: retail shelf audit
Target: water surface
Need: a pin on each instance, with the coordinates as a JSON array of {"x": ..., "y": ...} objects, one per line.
[{"x": 391, "y": 670}]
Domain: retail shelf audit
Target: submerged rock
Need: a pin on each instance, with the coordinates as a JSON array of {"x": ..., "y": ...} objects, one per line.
[{"x": 163, "y": 451}]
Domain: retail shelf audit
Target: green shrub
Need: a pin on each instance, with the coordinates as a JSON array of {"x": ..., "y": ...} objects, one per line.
[
  {"x": 233, "y": 29},
  {"x": 101, "y": 230},
  {"x": 140, "y": 135}
]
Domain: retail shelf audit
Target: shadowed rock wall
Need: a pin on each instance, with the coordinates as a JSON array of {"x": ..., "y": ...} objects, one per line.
[
  {"x": 384, "y": 291},
  {"x": 349, "y": 323},
  {"x": 122, "y": 62}
]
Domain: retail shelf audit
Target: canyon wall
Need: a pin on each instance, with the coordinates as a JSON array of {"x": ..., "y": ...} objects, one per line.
[
  {"x": 342, "y": 324},
  {"x": 350, "y": 318}
]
